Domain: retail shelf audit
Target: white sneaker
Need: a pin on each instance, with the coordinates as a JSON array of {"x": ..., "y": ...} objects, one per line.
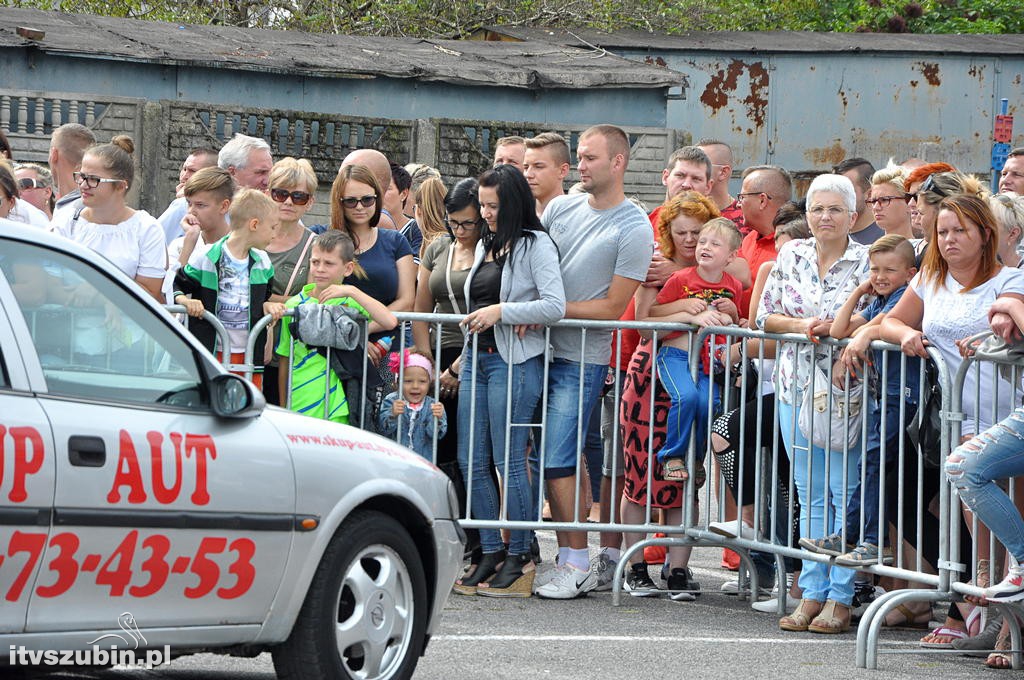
[
  {"x": 730, "y": 587},
  {"x": 733, "y": 529},
  {"x": 568, "y": 583},
  {"x": 772, "y": 606}
]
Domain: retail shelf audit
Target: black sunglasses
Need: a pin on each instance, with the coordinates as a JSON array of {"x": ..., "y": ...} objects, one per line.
[
  {"x": 365, "y": 201},
  {"x": 298, "y": 197}
]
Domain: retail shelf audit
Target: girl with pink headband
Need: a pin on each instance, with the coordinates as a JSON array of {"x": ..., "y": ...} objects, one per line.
[{"x": 409, "y": 409}]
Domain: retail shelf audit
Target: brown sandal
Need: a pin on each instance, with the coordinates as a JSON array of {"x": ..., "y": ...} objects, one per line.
[
  {"x": 801, "y": 617},
  {"x": 834, "y": 618}
]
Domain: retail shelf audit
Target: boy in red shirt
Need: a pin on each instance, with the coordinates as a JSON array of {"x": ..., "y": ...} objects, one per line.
[{"x": 703, "y": 295}]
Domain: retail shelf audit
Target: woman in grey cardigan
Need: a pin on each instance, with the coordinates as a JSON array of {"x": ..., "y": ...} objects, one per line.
[{"x": 515, "y": 283}]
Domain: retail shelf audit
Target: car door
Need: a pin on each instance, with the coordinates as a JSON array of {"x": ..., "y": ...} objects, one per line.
[
  {"x": 160, "y": 508},
  {"x": 26, "y": 469}
]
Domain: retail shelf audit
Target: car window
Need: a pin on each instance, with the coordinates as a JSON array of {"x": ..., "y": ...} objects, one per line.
[{"x": 94, "y": 339}]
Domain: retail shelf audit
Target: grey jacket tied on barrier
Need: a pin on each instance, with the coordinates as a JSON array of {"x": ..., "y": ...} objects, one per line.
[
  {"x": 531, "y": 293},
  {"x": 334, "y": 326}
]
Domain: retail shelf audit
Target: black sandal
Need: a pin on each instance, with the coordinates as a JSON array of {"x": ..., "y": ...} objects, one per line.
[
  {"x": 484, "y": 570},
  {"x": 510, "y": 581}
]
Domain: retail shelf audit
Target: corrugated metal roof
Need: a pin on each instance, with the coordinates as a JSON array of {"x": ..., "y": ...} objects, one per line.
[
  {"x": 532, "y": 65},
  {"x": 770, "y": 41}
]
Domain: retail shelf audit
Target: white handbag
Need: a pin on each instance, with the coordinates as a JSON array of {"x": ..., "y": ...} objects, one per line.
[{"x": 829, "y": 414}]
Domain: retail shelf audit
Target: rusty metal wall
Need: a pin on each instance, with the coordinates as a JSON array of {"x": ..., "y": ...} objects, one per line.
[{"x": 806, "y": 112}]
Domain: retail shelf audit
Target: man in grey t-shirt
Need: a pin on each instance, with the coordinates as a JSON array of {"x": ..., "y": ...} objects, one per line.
[{"x": 605, "y": 244}]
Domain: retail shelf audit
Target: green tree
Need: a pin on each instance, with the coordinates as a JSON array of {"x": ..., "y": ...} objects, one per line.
[{"x": 434, "y": 18}]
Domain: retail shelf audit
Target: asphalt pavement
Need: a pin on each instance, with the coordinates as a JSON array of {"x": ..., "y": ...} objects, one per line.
[{"x": 715, "y": 637}]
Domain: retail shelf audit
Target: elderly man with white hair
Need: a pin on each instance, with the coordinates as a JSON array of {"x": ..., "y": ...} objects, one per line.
[{"x": 248, "y": 160}]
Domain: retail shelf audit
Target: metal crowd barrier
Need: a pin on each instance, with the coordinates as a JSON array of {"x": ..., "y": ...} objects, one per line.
[{"x": 772, "y": 532}]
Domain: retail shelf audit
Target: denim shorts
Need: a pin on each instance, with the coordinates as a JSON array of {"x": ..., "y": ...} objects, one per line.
[{"x": 564, "y": 438}]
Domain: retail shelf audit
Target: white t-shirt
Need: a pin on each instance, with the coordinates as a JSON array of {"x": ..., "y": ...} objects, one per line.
[
  {"x": 233, "y": 298},
  {"x": 950, "y": 315},
  {"x": 26, "y": 213},
  {"x": 173, "y": 264},
  {"x": 136, "y": 246}
]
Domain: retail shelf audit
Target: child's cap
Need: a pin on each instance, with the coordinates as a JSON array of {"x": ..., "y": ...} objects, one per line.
[{"x": 407, "y": 359}]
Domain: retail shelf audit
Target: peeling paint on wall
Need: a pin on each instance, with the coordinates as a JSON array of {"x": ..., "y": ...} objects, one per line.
[
  {"x": 726, "y": 81},
  {"x": 930, "y": 71}
]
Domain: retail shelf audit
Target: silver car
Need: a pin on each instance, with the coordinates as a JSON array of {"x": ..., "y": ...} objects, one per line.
[{"x": 148, "y": 498}]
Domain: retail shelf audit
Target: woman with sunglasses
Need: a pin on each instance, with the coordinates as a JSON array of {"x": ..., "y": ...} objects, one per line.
[
  {"x": 388, "y": 273},
  {"x": 36, "y": 184},
  {"x": 131, "y": 239},
  {"x": 292, "y": 186},
  {"x": 923, "y": 208},
  {"x": 515, "y": 284}
]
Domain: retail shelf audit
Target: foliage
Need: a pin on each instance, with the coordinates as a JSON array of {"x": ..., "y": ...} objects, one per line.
[{"x": 433, "y": 18}]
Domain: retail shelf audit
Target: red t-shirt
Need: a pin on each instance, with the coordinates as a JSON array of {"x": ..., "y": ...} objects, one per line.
[
  {"x": 687, "y": 283},
  {"x": 756, "y": 250},
  {"x": 734, "y": 212}
]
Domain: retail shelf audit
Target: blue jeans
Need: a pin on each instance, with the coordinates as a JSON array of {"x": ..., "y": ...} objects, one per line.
[
  {"x": 485, "y": 413},
  {"x": 689, "y": 403},
  {"x": 562, "y": 445},
  {"x": 875, "y": 456},
  {"x": 973, "y": 467},
  {"x": 820, "y": 581}
]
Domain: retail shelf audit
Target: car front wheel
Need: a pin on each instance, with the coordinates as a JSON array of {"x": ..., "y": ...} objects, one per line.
[{"x": 365, "y": 613}]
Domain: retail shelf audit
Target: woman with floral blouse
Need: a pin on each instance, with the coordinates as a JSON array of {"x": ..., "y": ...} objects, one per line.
[{"x": 810, "y": 282}]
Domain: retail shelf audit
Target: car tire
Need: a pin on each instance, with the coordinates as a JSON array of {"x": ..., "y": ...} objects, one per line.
[{"x": 369, "y": 591}]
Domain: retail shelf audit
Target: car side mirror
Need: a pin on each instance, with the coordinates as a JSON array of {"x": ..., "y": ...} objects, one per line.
[{"x": 234, "y": 397}]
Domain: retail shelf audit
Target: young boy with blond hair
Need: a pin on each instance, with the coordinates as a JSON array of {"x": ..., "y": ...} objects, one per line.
[
  {"x": 717, "y": 245},
  {"x": 232, "y": 279},
  {"x": 892, "y": 260}
]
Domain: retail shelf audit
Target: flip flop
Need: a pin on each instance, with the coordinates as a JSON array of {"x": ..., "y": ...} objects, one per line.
[{"x": 943, "y": 631}]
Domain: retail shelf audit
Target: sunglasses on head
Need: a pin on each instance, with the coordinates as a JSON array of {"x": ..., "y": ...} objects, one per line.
[
  {"x": 365, "y": 201},
  {"x": 30, "y": 183},
  {"x": 298, "y": 197}
]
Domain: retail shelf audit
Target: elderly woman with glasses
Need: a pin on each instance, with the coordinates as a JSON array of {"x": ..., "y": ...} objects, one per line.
[
  {"x": 131, "y": 239},
  {"x": 810, "y": 282}
]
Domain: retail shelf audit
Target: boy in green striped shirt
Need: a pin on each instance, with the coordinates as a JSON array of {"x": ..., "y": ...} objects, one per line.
[{"x": 332, "y": 259}]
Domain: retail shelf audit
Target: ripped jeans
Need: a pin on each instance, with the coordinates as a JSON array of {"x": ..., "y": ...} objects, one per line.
[{"x": 973, "y": 467}]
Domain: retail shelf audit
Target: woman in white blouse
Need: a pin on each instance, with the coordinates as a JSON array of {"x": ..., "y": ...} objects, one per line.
[
  {"x": 811, "y": 280},
  {"x": 131, "y": 239}
]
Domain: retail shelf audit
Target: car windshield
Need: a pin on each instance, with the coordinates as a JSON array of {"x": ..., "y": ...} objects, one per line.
[{"x": 93, "y": 338}]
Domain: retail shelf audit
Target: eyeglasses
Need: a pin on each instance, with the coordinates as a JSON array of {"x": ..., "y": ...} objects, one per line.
[
  {"x": 30, "y": 183},
  {"x": 92, "y": 181},
  {"x": 464, "y": 226},
  {"x": 884, "y": 201},
  {"x": 298, "y": 197},
  {"x": 833, "y": 211},
  {"x": 741, "y": 196},
  {"x": 365, "y": 201}
]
